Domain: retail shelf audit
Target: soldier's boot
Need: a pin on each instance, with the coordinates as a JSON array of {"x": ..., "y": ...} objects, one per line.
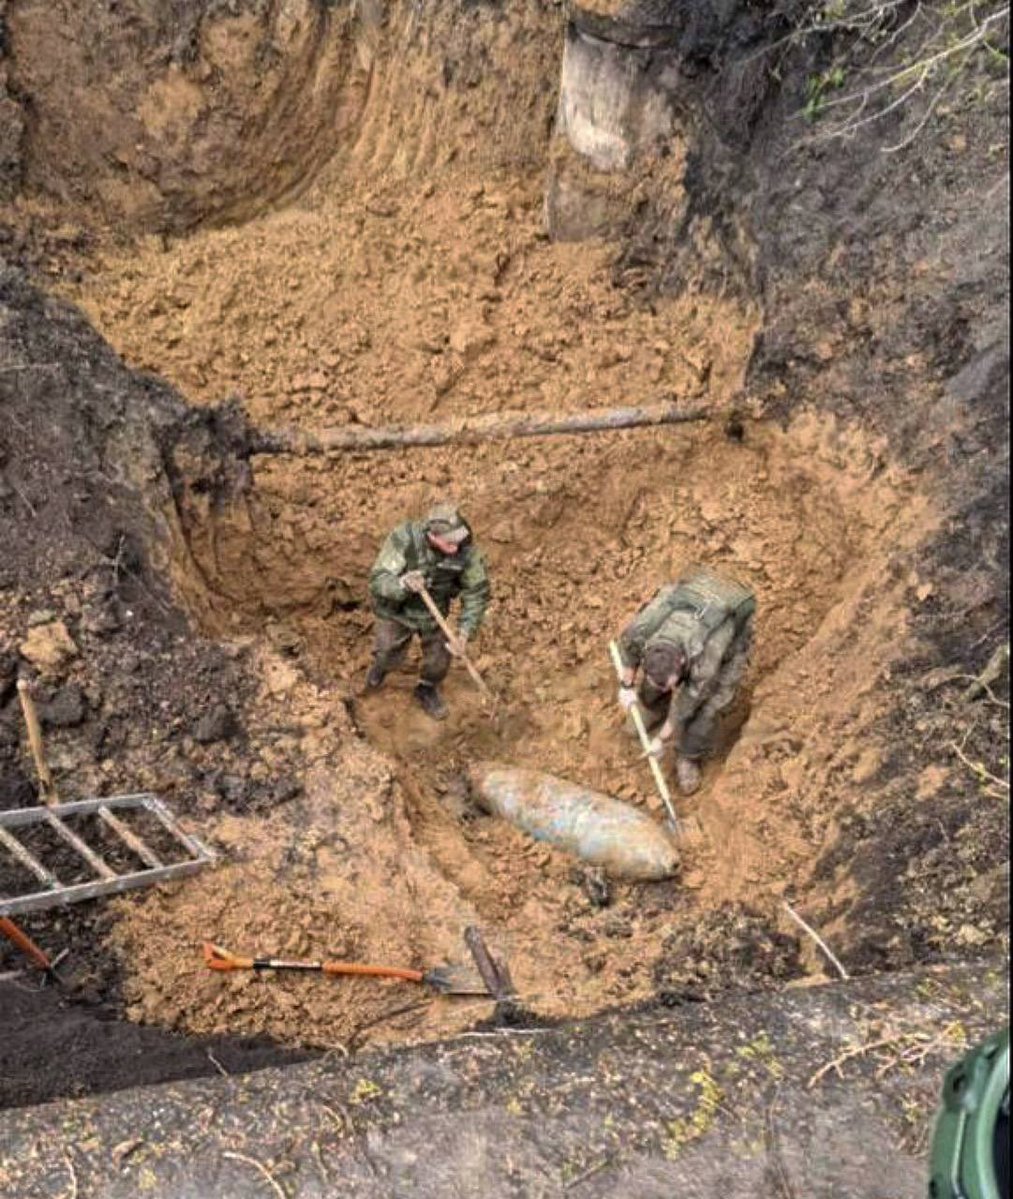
[
  {"x": 431, "y": 701},
  {"x": 375, "y": 676},
  {"x": 687, "y": 775}
]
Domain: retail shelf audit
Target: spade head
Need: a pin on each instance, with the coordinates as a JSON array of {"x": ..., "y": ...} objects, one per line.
[{"x": 455, "y": 980}]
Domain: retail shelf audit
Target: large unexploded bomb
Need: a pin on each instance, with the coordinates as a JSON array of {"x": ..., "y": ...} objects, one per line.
[{"x": 595, "y": 827}]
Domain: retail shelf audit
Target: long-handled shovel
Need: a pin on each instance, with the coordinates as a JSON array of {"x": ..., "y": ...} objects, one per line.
[
  {"x": 445, "y": 980},
  {"x": 645, "y": 741},
  {"x": 23, "y": 941},
  {"x": 451, "y": 637}
]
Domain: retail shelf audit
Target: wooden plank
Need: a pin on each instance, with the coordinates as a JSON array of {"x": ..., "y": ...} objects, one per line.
[
  {"x": 130, "y": 839},
  {"x": 35, "y": 741},
  {"x": 93, "y": 859},
  {"x": 25, "y": 858},
  {"x": 40, "y": 900}
]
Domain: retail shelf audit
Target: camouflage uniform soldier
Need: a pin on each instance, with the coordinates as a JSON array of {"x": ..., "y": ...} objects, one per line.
[
  {"x": 436, "y": 553},
  {"x": 692, "y": 642}
]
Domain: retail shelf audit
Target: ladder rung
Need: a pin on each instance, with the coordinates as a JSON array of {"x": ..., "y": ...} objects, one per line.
[
  {"x": 100, "y": 867},
  {"x": 130, "y": 839},
  {"x": 168, "y": 820},
  {"x": 42, "y": 900},
  {"x": 26, "y": 859}
]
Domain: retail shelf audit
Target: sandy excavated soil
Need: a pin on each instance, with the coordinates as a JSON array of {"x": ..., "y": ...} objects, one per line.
[{"x": 399, "y": 303}]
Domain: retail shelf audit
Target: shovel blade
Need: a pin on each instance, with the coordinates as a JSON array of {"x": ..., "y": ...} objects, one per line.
[
  {"x": 455, "y": 980},
  {"x": 689, "y": 832}
]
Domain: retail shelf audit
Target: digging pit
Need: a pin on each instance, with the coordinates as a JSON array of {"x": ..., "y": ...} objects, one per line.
[
  {"x": 381, "y": 857},
  {"x": 398, "y": 269}
]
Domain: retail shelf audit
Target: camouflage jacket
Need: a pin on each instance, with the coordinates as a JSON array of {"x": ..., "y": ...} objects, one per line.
[
  {"x": 447, "y": 576},
  {"x": 701, "y": 613}
]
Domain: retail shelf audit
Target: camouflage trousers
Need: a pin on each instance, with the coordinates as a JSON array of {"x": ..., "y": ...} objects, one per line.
[
  {"x": 392, "y": 641},
  {"x": 694, "y": 737}
]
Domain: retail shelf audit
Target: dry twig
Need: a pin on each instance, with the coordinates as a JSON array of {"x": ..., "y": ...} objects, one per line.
[
  {"x": 947, "y": 38},
  {"x": 909, "y": 1048},
  {"x": 72, "y": 1189},
  {"x": 787, "y": 1191},
  {"x": 584, "y": 1175},
  {"x": 818, "y": 939},
  {"x": 851, "y": 1052},
  {"x": 261, "y": 1169},
  {"x": 997, "y": 787},
  {"x": 319, "y": 1158},
  {"x": 24, "y": 499}
]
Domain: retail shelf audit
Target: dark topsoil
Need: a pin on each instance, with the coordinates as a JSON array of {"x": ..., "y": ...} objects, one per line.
[
  {"x": 733, "y": 1099},
  {"x": 86, "y": 506},
  {"x": 88, "y": 489}
]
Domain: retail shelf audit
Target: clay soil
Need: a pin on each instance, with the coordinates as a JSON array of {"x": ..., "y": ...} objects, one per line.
[
  {"x": 406, "y": 282},
  {"x": 400, "y": 303}
]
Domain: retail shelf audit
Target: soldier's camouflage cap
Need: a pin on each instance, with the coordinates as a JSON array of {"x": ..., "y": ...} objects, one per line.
[{"x": 445, "y": 521}]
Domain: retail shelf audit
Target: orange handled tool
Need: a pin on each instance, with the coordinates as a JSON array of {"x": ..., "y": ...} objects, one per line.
[
  {"x": 28, "y": 947},
  {"x": 445, "y": 979}
]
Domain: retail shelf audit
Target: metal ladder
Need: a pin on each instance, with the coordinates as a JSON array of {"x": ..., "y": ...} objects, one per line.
[{"x": 108, "y": 881}]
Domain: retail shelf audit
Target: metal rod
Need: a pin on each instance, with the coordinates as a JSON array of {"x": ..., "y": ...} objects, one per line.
[
  {"x": 90, "y": 856},
  {"x": 130, "y": 839},
  {"x": 25, "y": 858},
  {"x": 638, "y": 723},
  {"x": 46, "y": 784},
  {"x": 155, "y": 805},
  {"x": 40, "y": 900},
  {"x": 12, "y": 817}
]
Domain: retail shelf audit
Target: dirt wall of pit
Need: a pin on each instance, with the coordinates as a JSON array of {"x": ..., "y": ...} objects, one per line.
[
  {"x": 134, "y": 117},
  {"x": 878, "y": 261}
]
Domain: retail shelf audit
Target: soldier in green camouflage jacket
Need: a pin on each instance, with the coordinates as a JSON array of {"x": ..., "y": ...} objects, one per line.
[
  {"x": 691, "y": 643},
  {"x": 437, "y": 553}
]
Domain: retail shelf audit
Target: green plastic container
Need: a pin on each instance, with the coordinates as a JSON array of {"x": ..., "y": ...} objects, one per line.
[{"x": 970, "y": 1144}]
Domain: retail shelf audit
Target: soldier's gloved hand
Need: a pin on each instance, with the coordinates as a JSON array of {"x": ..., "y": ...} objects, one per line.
[
  {"x": 458, "y": 646},
  {"x": 627, "y": 697},
  {"x": 413, "y": 580}
]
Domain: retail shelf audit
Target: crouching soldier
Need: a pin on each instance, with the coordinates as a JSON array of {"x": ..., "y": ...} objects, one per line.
[
  {"x": 691, "y": 645},
  {"x": 436, "y": 554}
]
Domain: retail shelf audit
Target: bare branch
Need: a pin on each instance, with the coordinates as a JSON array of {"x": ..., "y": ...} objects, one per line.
[
  {"x": 264, "y": 1172},
  {"x": 818, "y": 939},
  {"x": 946, "y": 39},
  {"x": 997, "y": 786}
]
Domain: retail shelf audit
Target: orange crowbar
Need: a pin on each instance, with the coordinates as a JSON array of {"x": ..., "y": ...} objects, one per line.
[{"x": 444, "y": 979}]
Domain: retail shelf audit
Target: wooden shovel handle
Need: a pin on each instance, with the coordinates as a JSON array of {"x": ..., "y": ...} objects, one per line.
[
  {"x": 406, "y": 975},
  {"x": 645, "y": 741},
  {"x": 446, "y": 630},
  {"x": 35, "y": 741}
]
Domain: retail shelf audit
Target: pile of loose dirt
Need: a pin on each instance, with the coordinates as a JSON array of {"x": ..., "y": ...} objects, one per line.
[{"x": 403, "y": 304}]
